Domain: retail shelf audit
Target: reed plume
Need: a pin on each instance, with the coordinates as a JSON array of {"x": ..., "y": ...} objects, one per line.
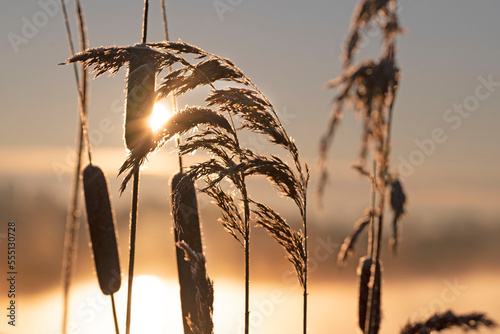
[
  {"x": 347, "y": 247},
  {"x": 370, "y": 87},
  {"x": 279, "y": 229},
  {"x": 448, "y": 319},
  {"x": 230, "y": 160}
]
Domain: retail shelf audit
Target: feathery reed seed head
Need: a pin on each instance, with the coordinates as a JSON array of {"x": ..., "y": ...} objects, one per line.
[
  {"x": 448, "y": 319},
  {"x": 101, "y": 222},
  {"x": 347, "y": 247}
]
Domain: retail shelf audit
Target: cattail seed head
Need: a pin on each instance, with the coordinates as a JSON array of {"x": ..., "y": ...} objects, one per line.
[
  {"x": 101, "y": 222},
  {"x": 367, "y": 280},
  {"x": 140, "y": 101},
  {"x": 187, "y": 230}
]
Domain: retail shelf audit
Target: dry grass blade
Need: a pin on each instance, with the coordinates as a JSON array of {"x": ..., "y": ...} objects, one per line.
[
  {"x": 178, "y": 124},
  {"x": 186, "y": 229},
  {"x": 140, "y": 101},
  {"x": 398, "y": 200},
  {"x": 367, "y": 281},
  {"x": 204, "y": 292},
  {"x": 347, "y": 247},
  {"x": 101, "y": 222},
  {"x": 374, "y": 84},
  {"x": 446, "y": 320},
  {"x": 291, "y": 240},
  {"x": 111, "y": 59}
]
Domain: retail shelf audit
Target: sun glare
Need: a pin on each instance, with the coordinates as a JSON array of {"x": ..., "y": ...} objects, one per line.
[
  {"x": 160, "y": 116},
  {"x": 154, "y": 309}
]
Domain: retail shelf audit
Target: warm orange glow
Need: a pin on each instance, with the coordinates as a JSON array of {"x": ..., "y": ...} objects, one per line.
[
  {"x": 160, "y": 116},
  {"x": 155, "y": 307}
]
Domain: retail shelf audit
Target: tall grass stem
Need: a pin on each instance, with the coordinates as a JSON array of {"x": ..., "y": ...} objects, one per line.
[
  {"x": 72, "y": 222},
  {"x": 135, "y": 200},
  {"x": 133, "y": 232},
  {"x": 113, "y": 306}
]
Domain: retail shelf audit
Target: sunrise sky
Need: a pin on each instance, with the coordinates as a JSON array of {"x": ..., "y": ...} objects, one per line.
[
  {"x": 289, "y": 49},
  {"x": 446, "y": 130}
]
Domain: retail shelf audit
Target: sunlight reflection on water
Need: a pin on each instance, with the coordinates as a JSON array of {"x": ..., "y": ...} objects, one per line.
[{"x": 274, "y": 309}]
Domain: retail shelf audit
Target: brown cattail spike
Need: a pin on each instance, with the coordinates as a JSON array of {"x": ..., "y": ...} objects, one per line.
[
  {"x": 365, "y": 281},
  {"x": 140, "y": 101},
  {"x": 204, "y": 292},
  {"x": 187, "y": 229},
  {"x": 101, "y": 222}
]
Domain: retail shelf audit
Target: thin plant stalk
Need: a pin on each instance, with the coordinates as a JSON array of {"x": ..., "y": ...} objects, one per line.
[
  {"x": 371, "y": 235},
  {"x": 375, "y": 260},
  {"x": 133, "y": 232},
  {"x": 170, "y": 69},
  {"x": 304, "y": 219},
  {"x": 246, "y": 222},
  {"x": 383, "y": 188},
  {"x": 72, "y": 222},
  {"x": 113, "y": 306},
  {"x": 135, "y": 200},
  {"x": 247, "y": 257}
]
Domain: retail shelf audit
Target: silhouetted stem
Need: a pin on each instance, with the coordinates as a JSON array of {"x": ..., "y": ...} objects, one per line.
[
  {"x": 135, "y": 200},
  {"x": 113, "y": 306},
  {"x": 247, "y": 257},
  {"x": 72, "y": 222},
  {"x": 304, "y": 220},
  {"x": 170, "y": 69},
  {"x": 371, "y": 236},
  {"x": 133, "y": 231}
]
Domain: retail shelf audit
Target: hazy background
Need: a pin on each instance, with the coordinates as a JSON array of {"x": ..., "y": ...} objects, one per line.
[{"x": 289, "y": 49}]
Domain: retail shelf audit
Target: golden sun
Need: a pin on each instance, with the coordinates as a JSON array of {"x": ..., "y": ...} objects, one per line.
[{"x": 159, "y": 117}]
